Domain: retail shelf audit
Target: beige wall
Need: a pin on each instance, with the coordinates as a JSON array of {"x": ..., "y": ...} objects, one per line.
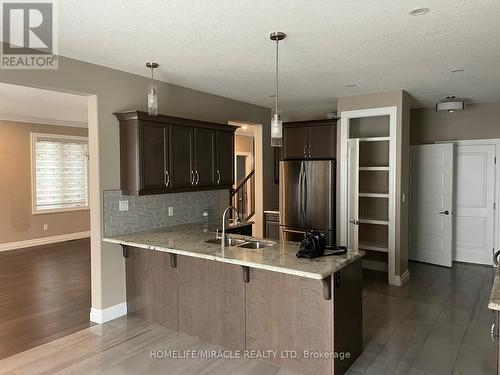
[
  {"x": 18, "y": 223},
  {"x": 477, "y": 121},
  {"x": 111, "y": 90},
  {"x": 402, "y": 100},
  {"x": 243, "y": 143}
]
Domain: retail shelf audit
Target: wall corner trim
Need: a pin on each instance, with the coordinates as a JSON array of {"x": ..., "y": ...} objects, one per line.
[
  {"x": 402, "y": 279},
  {"x": 43, "y": 241},
  {"x": 108, "y": 314}
]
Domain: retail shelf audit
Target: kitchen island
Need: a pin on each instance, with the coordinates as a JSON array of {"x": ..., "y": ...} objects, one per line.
[{"x": 307, "y": 313}]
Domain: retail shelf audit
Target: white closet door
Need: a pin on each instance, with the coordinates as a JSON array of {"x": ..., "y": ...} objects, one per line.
[
  {"x": 475, "y": 197},
  {"x": 431, "y": 224},
  {"x": 353, "y": 194}
]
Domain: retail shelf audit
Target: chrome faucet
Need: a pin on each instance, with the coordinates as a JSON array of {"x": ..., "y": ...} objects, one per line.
[{"x": 223, "y": 240}]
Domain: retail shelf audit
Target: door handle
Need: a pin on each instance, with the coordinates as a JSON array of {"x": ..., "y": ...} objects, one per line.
[
  {"x": 444, "y": 212},
  {"x": 192, "y": 177},
  {"x": 218, "y": 176},
  {"x": 355, "y": 222},
  {"x": 493, "y": 334},
  {"x": 167, "y": 178},
  {"x": 197, "y": 177}
]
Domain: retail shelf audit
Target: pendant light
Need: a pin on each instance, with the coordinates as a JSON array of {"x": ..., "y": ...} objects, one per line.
[
  {"x": 276, "y": 114},
  {"x": 152, "y": 90}
]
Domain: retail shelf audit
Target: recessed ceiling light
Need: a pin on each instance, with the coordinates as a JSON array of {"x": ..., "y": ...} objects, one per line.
[
  {"x": 351, "y": 85},
  {"x": 418, "y": 11},
  {"x": 456, "y": 71}
]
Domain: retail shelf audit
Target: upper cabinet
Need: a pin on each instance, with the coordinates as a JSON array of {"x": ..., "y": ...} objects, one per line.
[
  {"x": 163, "y": 154},
  {"x": 310, "y": 140}
]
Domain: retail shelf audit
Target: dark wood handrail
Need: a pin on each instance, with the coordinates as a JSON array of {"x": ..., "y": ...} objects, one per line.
[{"x": 248, "y": 177}]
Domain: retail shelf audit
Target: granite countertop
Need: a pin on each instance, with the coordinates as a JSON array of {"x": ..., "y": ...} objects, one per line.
[
  {"x": 189, "y": 240},
  {"x": 494, "y": 303}
]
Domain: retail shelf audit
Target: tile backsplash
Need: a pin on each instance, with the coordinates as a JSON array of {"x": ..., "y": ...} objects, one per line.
[{"x": 151, "y": 211}]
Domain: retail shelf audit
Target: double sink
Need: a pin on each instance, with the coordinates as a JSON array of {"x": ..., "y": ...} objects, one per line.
[{"x": 244, "y": 244}]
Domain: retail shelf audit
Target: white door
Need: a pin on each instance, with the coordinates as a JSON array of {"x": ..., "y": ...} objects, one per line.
[
  {"x": 431, "y": 224},
  {"x": 474, "y": 212},
  {"x": 353, "y": 194}
]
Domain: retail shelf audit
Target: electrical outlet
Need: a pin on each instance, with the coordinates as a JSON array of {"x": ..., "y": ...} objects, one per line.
[
  {"x": 45, "y": 226},
  {"x": 122, "y": 205},
  {"x": 170, "y": 211}
]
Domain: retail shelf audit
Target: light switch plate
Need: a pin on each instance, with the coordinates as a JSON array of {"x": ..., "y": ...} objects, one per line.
[
  {"x": 170, "y": 211},
  {"x": 122, "y": 205}
]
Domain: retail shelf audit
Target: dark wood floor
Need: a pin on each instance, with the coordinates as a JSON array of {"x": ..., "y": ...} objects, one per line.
[{"x": 44, "y": 294}]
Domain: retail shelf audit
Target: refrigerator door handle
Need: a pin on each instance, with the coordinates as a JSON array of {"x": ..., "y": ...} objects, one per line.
[{"x": 305, "y": 194}]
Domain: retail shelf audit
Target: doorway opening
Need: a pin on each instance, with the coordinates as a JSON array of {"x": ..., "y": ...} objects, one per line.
[{"x": 246, "y": 194}]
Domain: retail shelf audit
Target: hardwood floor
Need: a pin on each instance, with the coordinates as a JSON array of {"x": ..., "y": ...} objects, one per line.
[
  {"x": 124, "y": 347},
  {"x": 437, "y": 324},
  {"x": 44, "y": 294}
]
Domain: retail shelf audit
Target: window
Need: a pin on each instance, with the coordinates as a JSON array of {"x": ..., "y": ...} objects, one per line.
[{"x": 59, "y": 172}]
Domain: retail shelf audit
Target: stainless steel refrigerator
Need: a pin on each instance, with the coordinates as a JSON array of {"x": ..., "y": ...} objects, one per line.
[{"x": 307, "y": 199}]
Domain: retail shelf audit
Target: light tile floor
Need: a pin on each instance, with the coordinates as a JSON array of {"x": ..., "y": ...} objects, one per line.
[{"x": 439, "y": 323}]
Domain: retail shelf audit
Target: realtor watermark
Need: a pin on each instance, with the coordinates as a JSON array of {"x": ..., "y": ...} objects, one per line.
[
  {"x": 29, "y": 35},
  {"x": 247, "y": 354}
]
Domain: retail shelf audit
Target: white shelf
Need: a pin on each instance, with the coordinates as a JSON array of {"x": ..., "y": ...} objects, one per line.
[
  {"x": 373, "y": 139},
  {"x": 373, "y": 247},
  {"x": 374, "y": 168},
  {"x": 373, "y": 195},
  {"x": 373, "y": 220}
]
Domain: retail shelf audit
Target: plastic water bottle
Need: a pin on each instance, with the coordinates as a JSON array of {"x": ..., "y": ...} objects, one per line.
[{"x": 205, "y": 216}]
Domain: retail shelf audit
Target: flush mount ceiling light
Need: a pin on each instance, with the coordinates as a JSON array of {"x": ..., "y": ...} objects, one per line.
[
  {"x": 418, "y": 11},
  {"x": 152, "y": 90},
  {"x": 450, "y": 104},
  {"x": 276, "y": 114},
  {"x": 457, "y": 71}
]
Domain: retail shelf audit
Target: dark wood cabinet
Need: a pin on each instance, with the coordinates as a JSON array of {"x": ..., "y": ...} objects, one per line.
[
  {"x": 310, "y": 140},
  {"x": 164, "y": 154},
  {"x": 181, "y": 151},
  {"x": 154, "y": 138},
  {"x": 224, "y": 169},
  {"x": 204, "y": 156},
  {"x": 272, "y": 225}
]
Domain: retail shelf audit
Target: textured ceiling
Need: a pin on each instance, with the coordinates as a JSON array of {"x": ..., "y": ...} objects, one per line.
[
  {"x": 28, "y": 104},
  {"x": 223, "y": 47}
]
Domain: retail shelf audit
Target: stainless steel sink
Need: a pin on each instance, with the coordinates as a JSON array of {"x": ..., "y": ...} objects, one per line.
[
  {"x": 230, "y": 241},
  {"x": 245, "y": 244},
  {"x": 254, "y": 245}
]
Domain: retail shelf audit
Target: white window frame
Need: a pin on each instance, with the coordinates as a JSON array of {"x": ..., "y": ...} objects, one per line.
[{"x": 33, "y": 137}]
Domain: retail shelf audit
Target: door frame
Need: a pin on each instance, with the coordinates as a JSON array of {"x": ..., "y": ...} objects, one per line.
[
  {"x": 496, "y": 215},
  {"x": 345, "y": 117}
]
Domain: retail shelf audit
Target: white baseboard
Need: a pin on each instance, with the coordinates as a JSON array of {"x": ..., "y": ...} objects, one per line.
[
  {"x": 374, "y": 265},
  {"x": 43, "y": 241},
  {"x": 109, "y": 314},
  {"x": 403, "y": 279}
]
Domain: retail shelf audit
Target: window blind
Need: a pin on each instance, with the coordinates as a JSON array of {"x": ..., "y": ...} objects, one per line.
[{"x": 60, "y": 173}]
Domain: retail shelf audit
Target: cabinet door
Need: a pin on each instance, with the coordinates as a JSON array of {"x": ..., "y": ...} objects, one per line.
[
  {"x": 322, "y": 141},
  {"x": 295, "y": 142},
  {"x": 153, "y": 157},
  {"x": 224, "y": 173},
  {"x": 273, "y": 230},
  {"x": 180, "y": 151},
  {"x": 204, "y": 156}
]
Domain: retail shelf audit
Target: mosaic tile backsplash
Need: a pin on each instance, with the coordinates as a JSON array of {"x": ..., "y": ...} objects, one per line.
[{"x": 150, "y": 211}]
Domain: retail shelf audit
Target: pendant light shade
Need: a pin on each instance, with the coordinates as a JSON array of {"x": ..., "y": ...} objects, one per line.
[
  {"x": 152, "y": 91},
  {"x": 276, "y": 114}
]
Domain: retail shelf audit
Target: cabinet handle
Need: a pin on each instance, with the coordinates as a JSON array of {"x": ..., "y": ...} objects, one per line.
[
  {"x": 167, "y": 178},
  {"x": 192, "y": 177},
  {"x": 309, "y": 150},
  {"x": 197, "y": 177},
  {"x": 305, "y": 150},
  {"x": 218, "y": 176}
]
